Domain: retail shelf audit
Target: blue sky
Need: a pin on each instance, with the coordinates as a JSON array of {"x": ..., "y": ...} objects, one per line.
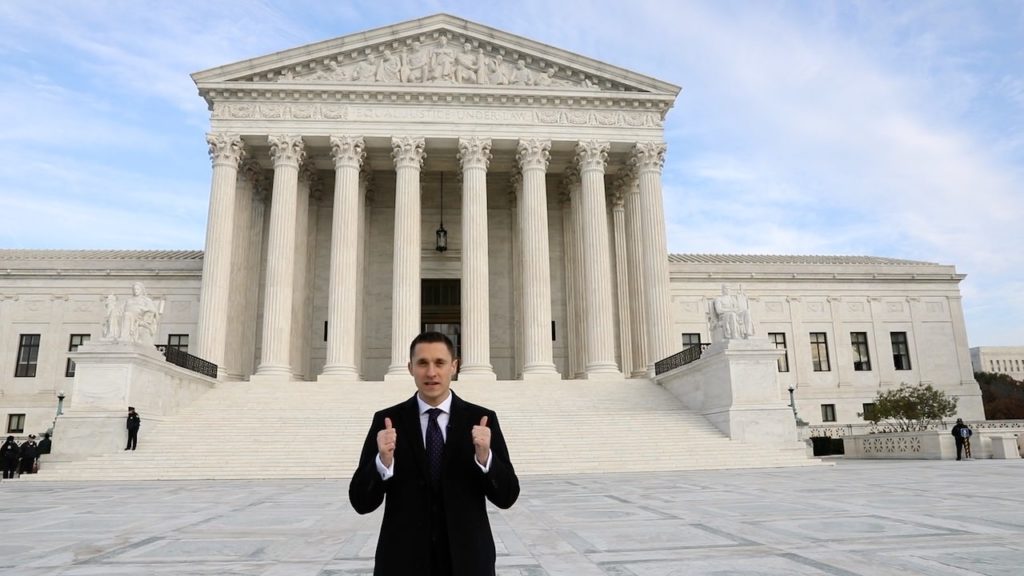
[{"x": 863, "y": 128}]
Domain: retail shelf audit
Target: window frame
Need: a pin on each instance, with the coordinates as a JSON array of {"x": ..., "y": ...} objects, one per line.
[
  {"x": 899, "y": 357},
  {"x": 69, "y": 367},
  {"x": 26, "y": 363},
  {"x": 828, "y": 413},
  {"x": 178, "y": 345},
  {"x": 817, "y": 364},
  {"x": 10, "y": 422},
  {"x": 861, "y": 351},
  {"x": 779, "y": 339},
  {"x": 690, "y": 335}
]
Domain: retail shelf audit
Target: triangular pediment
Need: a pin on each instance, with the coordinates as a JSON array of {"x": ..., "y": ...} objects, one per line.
[{"x": 439, "y": 50}]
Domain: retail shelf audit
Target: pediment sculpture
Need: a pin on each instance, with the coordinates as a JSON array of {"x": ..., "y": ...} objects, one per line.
[
  {"x": 134, "y": 320},
  {"x": 437, "y": 61},
  {"x": 729, "y": 316}
]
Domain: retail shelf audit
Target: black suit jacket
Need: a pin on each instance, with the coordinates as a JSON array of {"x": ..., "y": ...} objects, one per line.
[{"x": 412, "y": 504}]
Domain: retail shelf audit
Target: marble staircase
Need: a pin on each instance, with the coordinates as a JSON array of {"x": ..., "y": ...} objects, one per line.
[{"x": 315, "y": 430}]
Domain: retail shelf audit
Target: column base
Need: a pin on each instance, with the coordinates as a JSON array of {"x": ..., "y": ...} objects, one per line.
[
  {"x": 538, "y": 376},
  {"x": 338, "y": 374},
  {"x": 640, "y": 374},
  {"x": 271, "y": 378},
  {"x": 477, "y": 375},
  {"x": 403, "y": 377}
]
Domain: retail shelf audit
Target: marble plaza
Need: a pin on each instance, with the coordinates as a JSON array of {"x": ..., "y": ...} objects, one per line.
[{"x": 900, "y": 518}]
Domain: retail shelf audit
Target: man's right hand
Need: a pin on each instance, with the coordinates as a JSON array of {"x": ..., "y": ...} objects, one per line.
[{"x": 386, "y": 443}]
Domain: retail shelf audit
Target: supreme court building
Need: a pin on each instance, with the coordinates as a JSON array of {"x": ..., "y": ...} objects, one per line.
[{"x": 443, "y": 174}]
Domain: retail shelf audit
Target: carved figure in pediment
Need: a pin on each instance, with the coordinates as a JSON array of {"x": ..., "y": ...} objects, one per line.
[
  {"x": 521, "y": 76},
  {"x": 388, "y": 68},
  {"x": 286, "y": 76},
  {"x": 415, "y": 64},
  {"x": 365, "y": 70},
  {"x": 496, "y": 71},
  {"x": 466, "y": 65},
  {"x": 332, "y": 72},
  {"x": 442, "y": 62},
  {"x": 482, "y": 76},
  {"x": 545, "y": 79}
]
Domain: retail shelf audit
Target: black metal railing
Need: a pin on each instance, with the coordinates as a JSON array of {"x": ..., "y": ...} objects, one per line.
[
  {"x": 188, "y": 361},
  {"x": 681, "y": 359}
]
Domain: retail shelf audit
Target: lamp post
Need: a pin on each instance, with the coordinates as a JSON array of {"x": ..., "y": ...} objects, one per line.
[{"x": 60, "y": 403}]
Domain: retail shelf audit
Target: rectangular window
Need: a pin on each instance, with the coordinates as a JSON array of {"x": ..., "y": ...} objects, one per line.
[
  {"x": 28, "y": 356},
  {"x": 861, "y": 356},
  {"x": 178, "y": 341},
  {"x": 15, "y": 423},
  {"x": 819, "y": 352},
  {"x": 869, "y": 411},
  {"x": 690, "y": 339},
  {"x": 900, "y": 350},
  {"x": 76, "y": 341},
  {"x": 779, "y": 339},
  {"x": 828, "y": 412}
]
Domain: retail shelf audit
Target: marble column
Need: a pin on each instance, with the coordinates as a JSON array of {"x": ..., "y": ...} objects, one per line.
[
  {"x": 600, "y": 342},
  {"x": 622, "y": 278},
  {"x": 405, "y": 293},
  {"x": 573, "y": 346},
  {"x": 474, "y": 156},
  {"x": 516, "y": 310},
  {"x": 226, "y": 152},
  {"x": 343, "y": 286},
  {"x": 579, "y": 301},
  {"x": 648, "y": 160},
  {"x": 254, "y": 264},
  {"x": 634, "y": 244},
  {"x": 309, "y": 193},
  {"x": 242, "y": 275},
  {"x": 365, "y": 210},
  {"x": 538, "y": 362},
  {"x": 287, "y": 153}
]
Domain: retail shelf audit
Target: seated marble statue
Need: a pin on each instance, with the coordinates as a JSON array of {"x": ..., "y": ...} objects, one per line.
[
  {"x": 730, "y": 314},
  {"x": 139, "y": 317}
]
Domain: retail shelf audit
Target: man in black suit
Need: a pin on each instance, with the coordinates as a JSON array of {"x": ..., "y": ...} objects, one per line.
[{"x": 433, "y": 460}]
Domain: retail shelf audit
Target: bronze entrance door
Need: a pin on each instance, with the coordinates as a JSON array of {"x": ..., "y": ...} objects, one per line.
[{"x": 441, "y": 308}]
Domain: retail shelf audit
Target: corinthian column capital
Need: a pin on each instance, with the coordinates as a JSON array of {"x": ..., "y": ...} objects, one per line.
[
  {"x": 250, "y": 171},
  {"x": 348, "y": 151},
  {"x": 225, "y": 148},
  {"x": 592, "y": 154},
  {"x": 570, "y": 179},
  {"x": 286, "y": 150},
  {"x": 648, "y": 156},
  {"x": 475, "y": 152},
  {"x": 533, "y": 153},
  {"x": 408, "y": 151}
]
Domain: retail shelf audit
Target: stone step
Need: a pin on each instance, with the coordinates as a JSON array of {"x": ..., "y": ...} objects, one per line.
[{"x": 317, "y": 429}]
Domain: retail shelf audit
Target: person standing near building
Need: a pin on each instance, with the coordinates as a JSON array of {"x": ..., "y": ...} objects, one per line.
[
  {"x": 962, "y": 436},
  {"x": 133, "y": 428},
  {"x": 433, "y": 461},
  {"x": 9, "y": 453},
  {"x": 29, "y": 453}
]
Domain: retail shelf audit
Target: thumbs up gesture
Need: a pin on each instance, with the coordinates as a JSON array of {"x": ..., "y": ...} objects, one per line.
[
  {"x": 386, "y": 443},
  {"x": 482, "y": 441}
]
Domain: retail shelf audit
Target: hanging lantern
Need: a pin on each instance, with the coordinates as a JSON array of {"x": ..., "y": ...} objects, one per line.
[{"x": 442, "y": 234}]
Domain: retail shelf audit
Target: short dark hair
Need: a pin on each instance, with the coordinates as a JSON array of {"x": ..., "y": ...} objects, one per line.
[{"x": 430, "y": 338}]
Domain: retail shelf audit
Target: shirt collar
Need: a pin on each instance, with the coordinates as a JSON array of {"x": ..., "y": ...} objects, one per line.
[{"x": 445, "y": 406}]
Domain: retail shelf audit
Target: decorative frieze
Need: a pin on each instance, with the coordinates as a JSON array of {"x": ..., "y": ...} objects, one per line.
[{"x": 432, "y": 113}]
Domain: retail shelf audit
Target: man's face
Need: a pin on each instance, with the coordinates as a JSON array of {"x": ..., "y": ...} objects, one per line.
[{"x": 432, "y": 367}]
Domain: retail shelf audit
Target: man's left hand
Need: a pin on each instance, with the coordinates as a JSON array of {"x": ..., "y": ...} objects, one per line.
[{"x": 482, "y": 441}]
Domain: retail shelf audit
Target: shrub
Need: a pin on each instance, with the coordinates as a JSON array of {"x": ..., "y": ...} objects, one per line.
[{"x": 911, "y": 408}]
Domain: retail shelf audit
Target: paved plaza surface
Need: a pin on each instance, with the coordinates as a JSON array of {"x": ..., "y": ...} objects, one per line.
[{"x": 858, "y": 517}]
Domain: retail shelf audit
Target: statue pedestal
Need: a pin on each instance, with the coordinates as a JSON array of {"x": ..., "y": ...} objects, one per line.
[
  {"x": 109, "y": 377},
  {"x": 735, "y": 386}
]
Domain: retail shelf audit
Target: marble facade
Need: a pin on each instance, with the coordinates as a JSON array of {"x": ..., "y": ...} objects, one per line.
[{"x": 326, "y": 191}]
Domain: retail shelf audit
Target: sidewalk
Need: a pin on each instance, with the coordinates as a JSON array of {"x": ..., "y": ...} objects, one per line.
[{"x": 872, "y": 518}]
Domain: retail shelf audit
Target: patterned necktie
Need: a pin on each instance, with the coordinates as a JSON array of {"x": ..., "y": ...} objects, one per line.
[{"x": 435, "y": 444}]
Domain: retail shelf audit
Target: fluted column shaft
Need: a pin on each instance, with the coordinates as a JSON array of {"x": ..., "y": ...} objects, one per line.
[
  {"x": 226, "y": 152},
  {"x": 305, "y": 246},
  {"x": 405, "y": 294},
  {"x": 622, "y": 283},
  {"x": 573, "y": 347},
  {"x": 365, "y": 207},
  {"x": 241, "y": 272},
  {"x": 474, "y": 156},
  {"x": 343, "y": 287},
  {"x": 533, "y": 157},
  {"x": 637, "y": 313},
  {"x": 516, "y": 310},
  {"x": 648, "y": 159},
  {"x": 600, "y": 346},
  {"x": 287, "y": 153},
  {"x": 579, "y": 300}
]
